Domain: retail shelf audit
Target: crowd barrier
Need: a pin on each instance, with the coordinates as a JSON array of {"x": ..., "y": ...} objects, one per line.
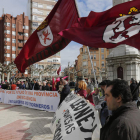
[{"x": 42, "y": 100}]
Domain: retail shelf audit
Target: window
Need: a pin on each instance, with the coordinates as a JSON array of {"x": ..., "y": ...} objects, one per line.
[
  {"x": 49, "y": 60},
  {"x": 6, "y": 62},
  {"x": 48, "y": 12},
  {"x": 14, "y": 25},
  {"x": 20, "y": 33},
  {"x": 50, "y": 7},
  {"x": 102, "y": 56},
  {"x": 26, "y": 34},
  {"x": 13, "y": 48},
  {"x": 13, "y": 40},
  {"x": 7, "y": 23},
  {"x": 33, "y": 30},
  {"x": 84, "y": 63},
  {"x": 7, "y": 54},
  {"x": 26, "y": 27},
  {"x": 35, "y": 17},
  {"x": 103, "y": 64},
  {"x": 25, "y": 41},
  {"x": 40, "y": 19},
  {"x": 13, "y": 55},
  {"x": 7, "y": 39},
  {"x": 7, "y": 47},
  {"x": 19, "y": 48},
  {"x": 91, "y": 56},
  {"x": 94, "y": 56},
  {"x": 94, "y": 63},
  {"x": 102, "y": 50},
  {"x": 7, "y": 31},
  {"x": 20, "y": 41},
  {"x": 35, "y": 4},
  {"x": 35, "y": 24},
  {"x": 40, "y": 5},
  {"x": 93, "y": 72},
  {"x": 85, "y": 50},
  {"x": 84, "y": 57},
  {"x": 13, "y": 33}
]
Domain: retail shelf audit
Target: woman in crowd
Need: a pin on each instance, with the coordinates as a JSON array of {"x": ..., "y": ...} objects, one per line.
[{"x": 82, "y": 85}]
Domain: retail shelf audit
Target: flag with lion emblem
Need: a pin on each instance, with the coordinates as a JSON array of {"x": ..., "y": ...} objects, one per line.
[
  {"x": 45, "y": 41},
  {"x": 108, "y": 29}
]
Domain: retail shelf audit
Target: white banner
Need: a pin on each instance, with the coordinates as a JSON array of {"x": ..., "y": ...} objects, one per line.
[
  {"x": 42, "y": 100},
  {"x": 2, "y": 94},
  {"x": 76, "y": 119}
]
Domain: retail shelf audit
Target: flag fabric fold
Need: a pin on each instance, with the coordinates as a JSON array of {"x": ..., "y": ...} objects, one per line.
[
  {"x": 45, "y": 41},
  {"x": 108, "y": 29},
  {"x": 58, "y": 71}
]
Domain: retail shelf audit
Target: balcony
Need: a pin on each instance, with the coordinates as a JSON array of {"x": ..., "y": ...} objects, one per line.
[
  {"x": 20, "y": 37},
  {"x": 20, "y": 44}
]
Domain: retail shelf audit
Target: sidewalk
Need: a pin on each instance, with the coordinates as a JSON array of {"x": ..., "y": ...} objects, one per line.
[{"x": 22, "y": 123}]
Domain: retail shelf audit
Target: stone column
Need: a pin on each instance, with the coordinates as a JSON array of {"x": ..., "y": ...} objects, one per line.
[
  {"x": 2, "y": 77},
  {"x": 8, "y": 76}
]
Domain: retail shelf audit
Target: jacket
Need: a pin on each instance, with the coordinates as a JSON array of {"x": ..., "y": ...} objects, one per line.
[
  {"x": 47, "y": 88},
  {"x": 136, "y": 94},
  {"x": 65, "y": 91},
  {"x": 82, "y": 92},
  {"x": 124, "y": 124},
  {"x": 90, "y": 98}
]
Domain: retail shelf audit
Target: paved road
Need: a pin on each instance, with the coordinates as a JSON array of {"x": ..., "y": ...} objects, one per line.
[{"x": 22, "y": 123}]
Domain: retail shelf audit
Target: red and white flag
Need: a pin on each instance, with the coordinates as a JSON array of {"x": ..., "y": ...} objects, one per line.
[
  {"x": 58, "y": 71},
  {"x": 45, "y": 41},
  {"x": 108, "y": 29}
]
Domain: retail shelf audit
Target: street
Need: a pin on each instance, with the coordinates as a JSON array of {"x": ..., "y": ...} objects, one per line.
[{"x": 22, "y": 123}]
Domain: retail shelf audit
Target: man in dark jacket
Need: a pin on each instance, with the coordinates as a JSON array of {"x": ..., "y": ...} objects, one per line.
[
  {"x": 45, "y": 86},
  {"x": 133, "y": 85},
  {"x": 35, "y": 86},
  {"x": 65, "y": 91},
  {"x": 124, "y": 124}
]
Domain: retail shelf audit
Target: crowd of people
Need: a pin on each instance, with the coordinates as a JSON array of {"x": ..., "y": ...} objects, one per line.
[{"x": 115, "y": 101}]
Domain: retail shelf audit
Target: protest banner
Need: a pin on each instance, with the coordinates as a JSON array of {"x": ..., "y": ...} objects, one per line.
[
  {"x": 2, "y": 94},
  {"x": 76, "y": 119},
  {"x": 42, "y": 100}
]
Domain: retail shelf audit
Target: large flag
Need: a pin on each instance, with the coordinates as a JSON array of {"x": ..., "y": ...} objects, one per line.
[
  {"x": 45, "y": 41},
  {"x": 108, "y": 29},
  {"x": 58, "y": 71}
]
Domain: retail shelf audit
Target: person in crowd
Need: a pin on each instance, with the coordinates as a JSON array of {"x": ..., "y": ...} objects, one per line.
[
  {"x": 13, "y": 86},
  {"x": 90, "y": 92},
  {"x": 22, "y": 85},
  {"x": 49, "y": 85},
  {"x": 28, "y": 85},
  {"x": 4, "y": 85},
  {"x": 82, "y": 85},
  {"x": 72, "y": 84},
  {"x": 19, "y": 86},
  {"x": 99, "y": 102},
  {"x": 35, "y": 86},
  {"x": 124, "y": 123},
  {"x": 65, "y": 91},
  {"x": 76, "y": 88},
  {"x": 133, "y": 85},
  {"x": 45, "y": 86}
]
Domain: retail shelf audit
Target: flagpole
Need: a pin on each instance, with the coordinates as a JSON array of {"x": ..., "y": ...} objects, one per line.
[
  {"x": 77, "y": 8},
  {"x": 96, "y": 85},
  {"x": 87, "y": 49}
]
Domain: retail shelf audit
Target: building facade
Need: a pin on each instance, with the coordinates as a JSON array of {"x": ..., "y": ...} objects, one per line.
[
  {"x": 123, "y": 61},
  {"x": 37, "y": 11},
  {"x": 98, "y": 56},
  {"x": 14, "y": 32}
]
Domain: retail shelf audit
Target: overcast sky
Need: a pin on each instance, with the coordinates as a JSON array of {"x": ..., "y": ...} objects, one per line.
[{"x": 70, "y": 53}]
